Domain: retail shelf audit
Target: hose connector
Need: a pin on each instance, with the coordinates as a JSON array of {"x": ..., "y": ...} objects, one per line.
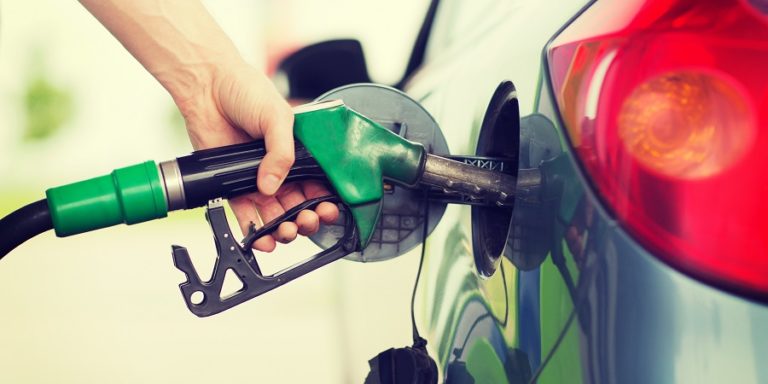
[{"x": 128, "y": 195}]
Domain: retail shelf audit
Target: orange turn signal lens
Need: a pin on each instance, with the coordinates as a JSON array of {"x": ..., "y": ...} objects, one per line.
[{"x": 687, "y": 125}]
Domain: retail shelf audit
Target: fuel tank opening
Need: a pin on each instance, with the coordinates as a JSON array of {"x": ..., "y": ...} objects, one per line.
[{"x": 499, "y": 138}]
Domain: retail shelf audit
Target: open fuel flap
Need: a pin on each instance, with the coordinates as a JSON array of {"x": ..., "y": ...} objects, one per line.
[
  {"x": 400, "y": 227},
  {"x": 499, "y": 138}
]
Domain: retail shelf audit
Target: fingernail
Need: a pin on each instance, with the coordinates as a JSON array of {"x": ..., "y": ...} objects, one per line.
[{"x": 270, "y": 184}]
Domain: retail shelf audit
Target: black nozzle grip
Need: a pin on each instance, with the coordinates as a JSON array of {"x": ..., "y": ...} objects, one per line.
[{"x": 230, "y": 171}]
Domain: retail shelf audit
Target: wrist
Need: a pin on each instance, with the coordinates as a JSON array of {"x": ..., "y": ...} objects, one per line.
[
  {"x": 192, "y": 85},
  {"x": 199, "y": 102}
]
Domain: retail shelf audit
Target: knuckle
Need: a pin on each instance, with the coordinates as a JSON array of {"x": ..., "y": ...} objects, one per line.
[
  {"x": 287, "y": 189},
  {"x": 280, "y": 116}
]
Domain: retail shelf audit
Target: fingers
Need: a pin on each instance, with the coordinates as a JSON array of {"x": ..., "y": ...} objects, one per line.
[
  {"x": 326, "y": 211},
  {"x": 265, "y": 244},
  {"x": 245, "y": 211},
  {"x": 291, "y": 195},
  {"x": 270, "y": 208},
  {"x": 308, "y": 222},
  {"x": 259, "y": 209}
]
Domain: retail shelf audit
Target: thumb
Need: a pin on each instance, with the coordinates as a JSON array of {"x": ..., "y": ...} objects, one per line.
[
  {"x": 277, "y": 128},
  {"x": 248, "y": 99}
]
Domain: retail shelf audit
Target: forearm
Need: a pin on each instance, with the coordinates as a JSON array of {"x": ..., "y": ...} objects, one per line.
[{"x": 177, "y": 41}]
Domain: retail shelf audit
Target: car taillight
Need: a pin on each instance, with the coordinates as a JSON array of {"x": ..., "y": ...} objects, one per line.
[{"x": 666, "y": 105}]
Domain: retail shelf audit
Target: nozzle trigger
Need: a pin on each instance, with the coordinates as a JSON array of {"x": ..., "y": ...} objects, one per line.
[{"x": 203, "y": 298}]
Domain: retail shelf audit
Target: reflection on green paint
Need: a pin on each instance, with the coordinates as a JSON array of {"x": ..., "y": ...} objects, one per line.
[
  {"x": 565, "y": 365},
  {"x": 511, "y": 275},
  {"x": 556, "y": 307},
  {"x": 47, "y": 106},
  {"x": 493, "y": 290},
  {"x": 570, "y": 261},
  {"x": 556, "y": 301},
  {"x": 453, "y": 244},
  {"x": 484, "y": 365}
]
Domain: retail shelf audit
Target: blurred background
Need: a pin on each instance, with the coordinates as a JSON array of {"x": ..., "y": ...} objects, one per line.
[{"x": 105, "y": 306}]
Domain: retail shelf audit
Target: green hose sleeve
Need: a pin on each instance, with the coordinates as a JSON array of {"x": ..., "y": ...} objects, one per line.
[{"x": 128, "y": 195}]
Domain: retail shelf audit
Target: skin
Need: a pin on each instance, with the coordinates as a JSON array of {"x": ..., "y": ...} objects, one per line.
[{"x": 223, "y": 100}]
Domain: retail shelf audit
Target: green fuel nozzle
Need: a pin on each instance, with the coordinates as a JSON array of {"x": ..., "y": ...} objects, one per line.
[
  {"x": 351, "y": 152},
  {"x": 354, "y": 155}
]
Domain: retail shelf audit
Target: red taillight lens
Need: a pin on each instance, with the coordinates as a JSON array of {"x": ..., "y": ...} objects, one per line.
[
  {"x": 666, "y": 104},
  {"x": 686, "y": 125}
]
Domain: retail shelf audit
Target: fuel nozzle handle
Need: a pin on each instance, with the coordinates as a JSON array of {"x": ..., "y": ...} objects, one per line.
[
  {"x": 192, "y": 180},
  {"x": 335, "y": 143}
]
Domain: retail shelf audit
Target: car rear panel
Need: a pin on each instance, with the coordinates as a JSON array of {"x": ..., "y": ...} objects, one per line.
[
  {"x": 637, "y": 319},
  {"x": 465, "y": 317}
]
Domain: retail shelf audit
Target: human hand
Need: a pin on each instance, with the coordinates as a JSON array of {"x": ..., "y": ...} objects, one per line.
[
  {"x": 223, "y": 100},
  {"x": 242, "y": 104}
]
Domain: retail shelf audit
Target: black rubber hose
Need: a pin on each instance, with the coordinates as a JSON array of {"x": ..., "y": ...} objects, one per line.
[{"x": 24, "y": 224}]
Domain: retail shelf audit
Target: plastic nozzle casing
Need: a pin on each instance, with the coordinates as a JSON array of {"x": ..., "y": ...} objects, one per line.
[
  {"x": 356, "y": 154},
  {"x": 129, "y": 195}
]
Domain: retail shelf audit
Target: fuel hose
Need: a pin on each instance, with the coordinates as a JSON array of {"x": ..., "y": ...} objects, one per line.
[
  {"x": 24, "y": 224},
  {"x": 146, "y": 191}
]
